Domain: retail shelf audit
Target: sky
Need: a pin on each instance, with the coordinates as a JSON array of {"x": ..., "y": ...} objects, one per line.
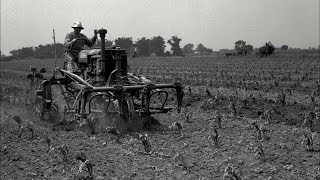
[{"x": 217, "y": 24}]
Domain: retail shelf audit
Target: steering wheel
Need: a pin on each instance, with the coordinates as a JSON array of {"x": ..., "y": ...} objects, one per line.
[{"x": 77, "y": 46}]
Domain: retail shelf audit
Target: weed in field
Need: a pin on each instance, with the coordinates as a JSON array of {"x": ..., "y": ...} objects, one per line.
[
  {"x": 189, "y": 89},
  {"x": 23, "y": 124},
  {"x": 254, "y": 126},
  {"x": 114, "y": 131},
  {"x": 245, "y": 103},
  {"x": 308, "y": 120},
  {"x": 263, "y": 133},
  {"x": 146, "y": 143},
  {"x": 177, "y": 126},
  {"x": 283, "y": 146},
  {"x": 313, "y": 99},
  {"x": 64, "y": 151},
  {"x": 48, "y": 142},
  {"x": 208, "y": 92},
  {"x": 259, "y": 152},
  {"x": 276, "y": 82},
  {"x": 230, "y": 174},
  {"x": 232, "y": 108},
  {"x": 218, "y": 118},
  {"x": 179, "y": 159},
  {"x": 187, "y": 116},
  {"x": 61, "y": 150},
  {"x": 84, "y": 162},
  {"x": 266, "y": 115},
  {"x": 252, "y": 98},
  {"x": 214, "y": 137},
  {"x": 308, "y": 141},
  {"x": 282, "y": 98}
]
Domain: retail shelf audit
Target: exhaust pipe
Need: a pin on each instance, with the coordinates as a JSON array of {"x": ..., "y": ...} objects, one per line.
[{"x": 102, "y": 60}]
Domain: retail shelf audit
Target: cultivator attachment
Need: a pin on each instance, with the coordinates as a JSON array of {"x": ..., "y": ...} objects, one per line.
[
  {"x": 41, "y": 96},
  {"x": 103, "y": 93}
]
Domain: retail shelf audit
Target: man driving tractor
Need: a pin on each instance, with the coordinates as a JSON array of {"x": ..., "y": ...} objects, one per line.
[{"x": 74, "y": 43}]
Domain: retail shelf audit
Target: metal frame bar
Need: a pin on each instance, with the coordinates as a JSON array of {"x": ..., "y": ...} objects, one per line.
[{"x": 86, "y": 89}]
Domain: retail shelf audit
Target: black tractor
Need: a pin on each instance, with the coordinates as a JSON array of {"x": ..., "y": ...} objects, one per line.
[{"x": 102, "y": 92}]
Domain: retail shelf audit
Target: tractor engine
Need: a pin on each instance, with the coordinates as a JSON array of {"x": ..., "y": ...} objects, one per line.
[
  {"x": 104, "y": 63},
  {"x": 102, "y": 67}
]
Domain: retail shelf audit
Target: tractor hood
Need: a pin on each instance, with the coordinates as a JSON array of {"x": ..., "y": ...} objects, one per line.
[{"x": 84, "y": 54}]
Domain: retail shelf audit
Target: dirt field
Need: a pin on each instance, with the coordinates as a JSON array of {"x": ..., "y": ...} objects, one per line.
[{"x": 276, "y": 150}]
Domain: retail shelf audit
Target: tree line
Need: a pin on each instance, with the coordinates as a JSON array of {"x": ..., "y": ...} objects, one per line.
[{"x": 155, "y": 46}]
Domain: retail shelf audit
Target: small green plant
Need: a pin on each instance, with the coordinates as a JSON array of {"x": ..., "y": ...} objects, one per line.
[
  {"x": 232, "y": 108},
  {"x": 230, "y": 173},
  {"x": 218, "y": 118},
  {"x": 259, "y": 152},
  {"x": 84, "y": 162},
  {"x": 308, "y": 141},
  {"x": 24, "y": 124},
  {"x": 266, "y": 115},
  {"x": 146, "y": 143},
  {"x": 214, "y": 136}
]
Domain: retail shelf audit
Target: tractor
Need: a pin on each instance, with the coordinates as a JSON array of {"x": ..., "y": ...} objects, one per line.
[{"x": 102, "y": 92}]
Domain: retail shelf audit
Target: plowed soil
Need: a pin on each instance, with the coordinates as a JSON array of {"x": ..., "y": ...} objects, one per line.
[{"x": 186, "y": 154}]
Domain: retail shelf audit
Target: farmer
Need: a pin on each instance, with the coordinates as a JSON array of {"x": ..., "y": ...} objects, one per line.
[{"x": 72, "y": 51}]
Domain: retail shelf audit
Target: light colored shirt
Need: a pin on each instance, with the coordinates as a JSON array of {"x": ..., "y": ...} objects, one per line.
[{"x": 70, "y": 36}]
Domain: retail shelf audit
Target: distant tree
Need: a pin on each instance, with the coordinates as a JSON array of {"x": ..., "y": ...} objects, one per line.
[
  {"x": 157, "y": 46},
  {"x": 203, "y": 50},
  {"x": 27, "y": 52},
  {"x": 143, "y": 47},
  {"x": 47, "y": 51},
  {"x": 14, "y": 53},
  {"x": 2, "y": 55},
  {"x": 175, "y": 46},
  {"x": 188, "y": 48},
  {"x": 6, "y": 58},
  {"x": 125, "y": 43},
  {"x": 239, "y": 45},
  {"x": 242, "y": 48},
  {"x": 44, "y": 51},
  {"x": 167, "y": 53},
  {"x": 60, "y": 50},
  {"x": 108, "y": 44},
  {"x": 249, "y": 48},
  {"x": 23, "y": 53},
  {"x": 266, "y": 50},
  {"x": 284, "y": 47},
  {"x": 135, "y": 52}
]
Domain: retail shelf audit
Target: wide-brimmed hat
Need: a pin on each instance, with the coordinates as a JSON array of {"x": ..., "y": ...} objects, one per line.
[{"x": 77, "y": 25}]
